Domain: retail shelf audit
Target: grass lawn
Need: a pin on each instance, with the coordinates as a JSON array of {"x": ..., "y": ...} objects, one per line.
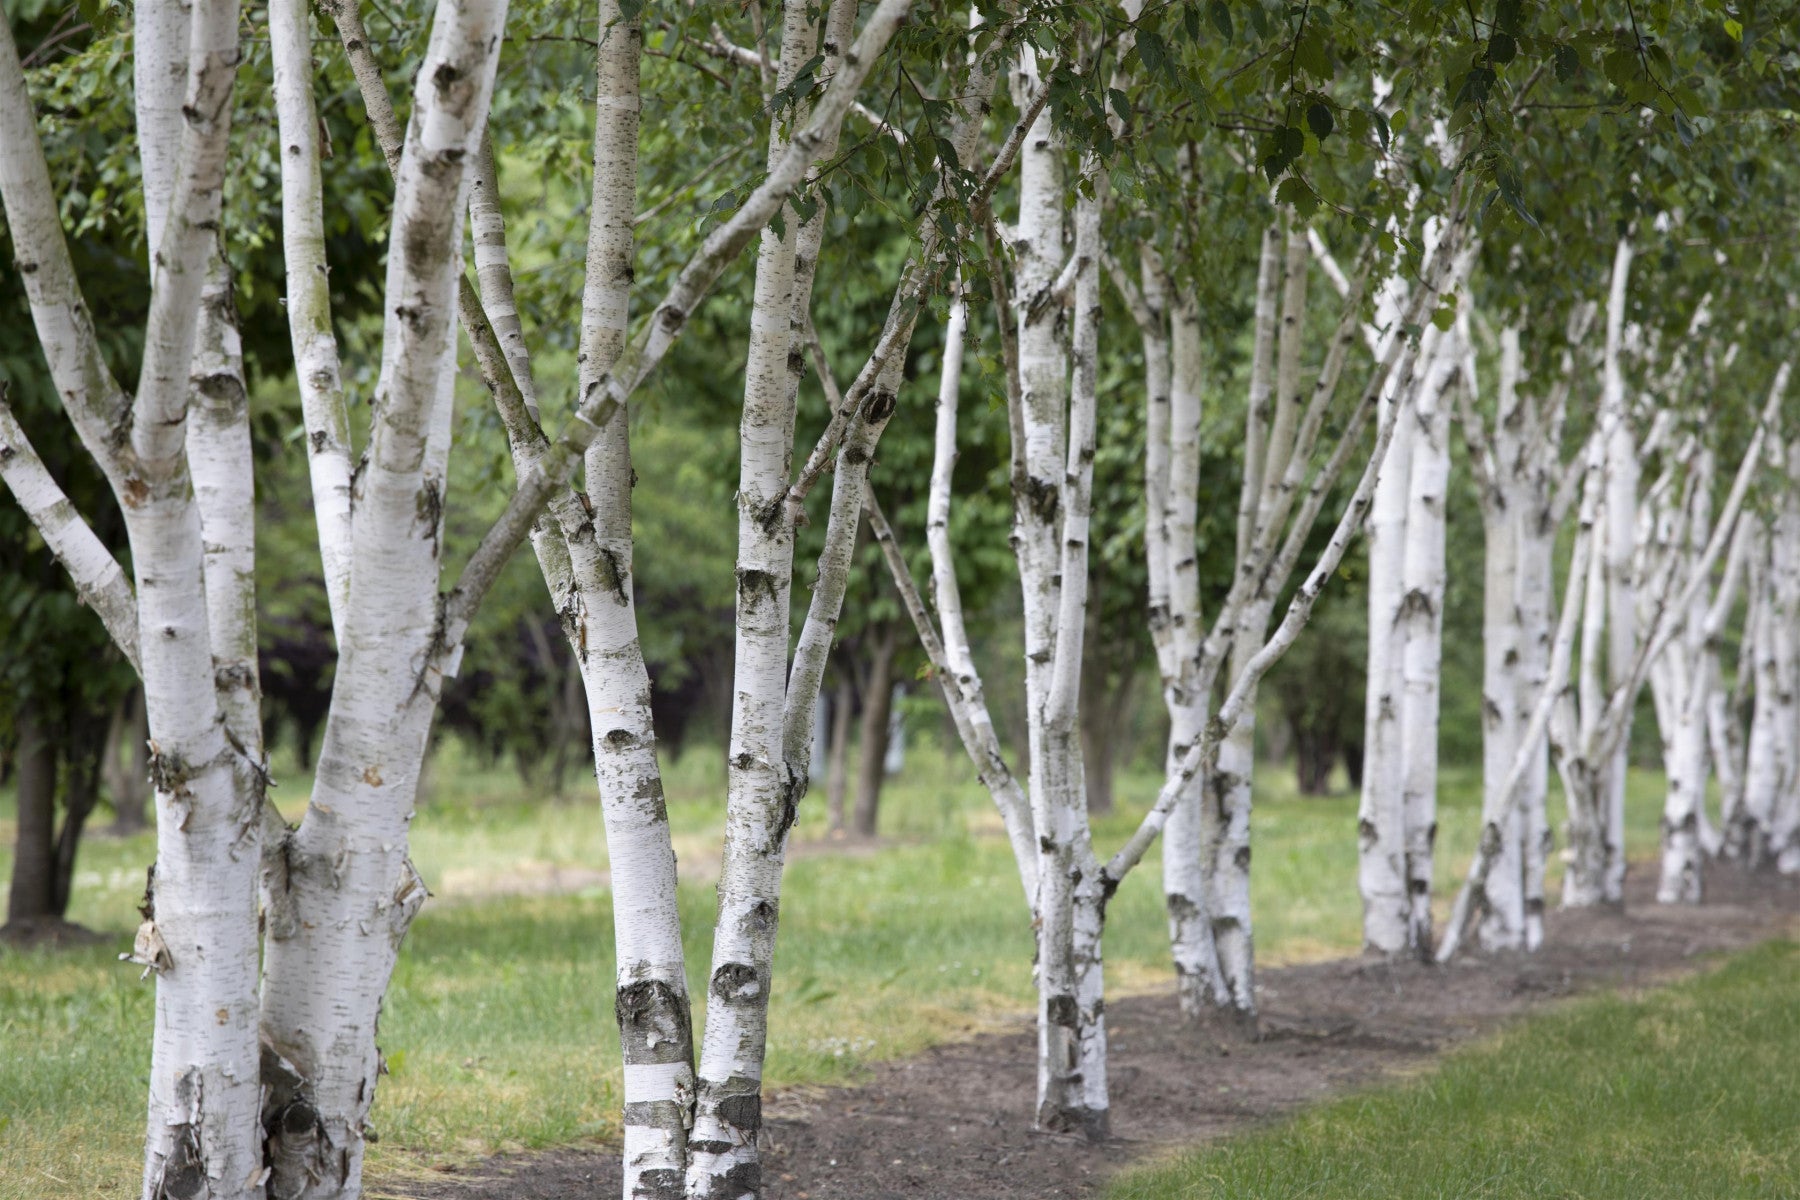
[
  {"x": 498, "y": 1028},
  {"x": 1685, "y": 1093}
]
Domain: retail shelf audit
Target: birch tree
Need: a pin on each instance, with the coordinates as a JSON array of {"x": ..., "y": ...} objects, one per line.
[
  {"x": 1524, "y": 491},
  {"x": 339, "y": 891}
]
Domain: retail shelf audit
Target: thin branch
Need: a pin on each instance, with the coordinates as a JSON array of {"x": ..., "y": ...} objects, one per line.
[{"x": 96, "y": 574}]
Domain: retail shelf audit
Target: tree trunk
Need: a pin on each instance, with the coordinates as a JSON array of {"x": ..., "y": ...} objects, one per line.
[
  {"x": 81, "y": 791},
  {"x": 1381, "y": 820},
  {"x": 1105, "y": 717},
  {"x": 1503, "y": 921},
  {"x": 343, "y": 892},
  {"x": 837, "y": 772},
  {"x": 1690, "y": 668},
  {"x": 877, "y": 708},
  {"x": 33, "y": 892},
  {"x": 1783, "y": 807},
  {"x": 1421, "y": 627},
  {"x": 1622, "y": 471},
  {"x": 1537, "y": 542},
  {"x": 125, "y": 765},
  {"x": 1228, "y": 828}
]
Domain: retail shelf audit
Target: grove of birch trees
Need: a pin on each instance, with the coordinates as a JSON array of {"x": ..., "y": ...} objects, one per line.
[{"x": 1314, "y": 269}]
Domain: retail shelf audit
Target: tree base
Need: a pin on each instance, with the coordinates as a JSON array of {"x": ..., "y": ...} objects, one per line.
[{"x": 52, "y": 933}]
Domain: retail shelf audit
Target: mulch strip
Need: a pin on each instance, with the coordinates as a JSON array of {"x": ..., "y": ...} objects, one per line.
[{"x": 955, "y": 1122}]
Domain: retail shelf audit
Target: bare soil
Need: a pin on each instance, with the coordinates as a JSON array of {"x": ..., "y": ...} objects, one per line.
[{"x": 956, "y": 1121}]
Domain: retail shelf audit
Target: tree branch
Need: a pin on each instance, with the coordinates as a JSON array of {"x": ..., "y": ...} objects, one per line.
[{"x": 97, "y": 575}]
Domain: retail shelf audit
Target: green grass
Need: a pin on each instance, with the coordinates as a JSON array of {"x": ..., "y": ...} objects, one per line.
[
  {"x": 498, "y": 1028},
  {"x": 1688, "y": 1092}
]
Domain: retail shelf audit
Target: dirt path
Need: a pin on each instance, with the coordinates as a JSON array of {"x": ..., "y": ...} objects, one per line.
[{"x": 955, "y": 1122}]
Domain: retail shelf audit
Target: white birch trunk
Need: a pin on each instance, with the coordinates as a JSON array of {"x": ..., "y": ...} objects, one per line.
[
  {"x": 1038, "y": 464},
  {"x": 1595, "y": 872},
  {"x": 1536, "y": 580},
  {"x": 652, "y": 1007},
  {"x": 1421, "y": 623},
  {"x": 1172, "y": 481},
  {"x": 199, "y": 936},
  {"x": 1767, "y": 761},
  {"x": 1690, "y": 667},
  {"x": 1502, "y": 630},
  {"x": 723, "y": 1158},
  {"x": 1784, "y": 657},
  {"x": 316, "y": 366},
  {"x": 1622, "y": 473},
  {"x": 1381, "y": 818},
  {"x": 346, "y": 891}
]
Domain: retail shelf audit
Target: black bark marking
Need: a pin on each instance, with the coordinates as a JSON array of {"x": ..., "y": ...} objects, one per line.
[
  {"x": 662, "y": 1183},
  {"x": 734, "y": 982},
  {"x": 742, "y": 1111},
  {"x": 753, "y": 583},
  {"x": 428, "y": 507},
  {"x": 1181, "y": 907},
  {"x": 184, "y": 1171},
  {"x": 654, "y": 1026},
  {"x": 612, "y": 574},
  {"x": 744, "y": 1179},
  {"x": 1043, "y": 498},
  {"x": 1062, "y": 1010},
  {"x": 879, "y": 406}
]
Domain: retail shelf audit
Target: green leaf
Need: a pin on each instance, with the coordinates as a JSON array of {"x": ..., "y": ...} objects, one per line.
[
  {"x": 1121, "y": 105},
  {"x": 1684, "y": 129},
  {"x": 1620, "y": 68},
  {"x": 1734, "y": 29},
  {"x": 1221, "y": 17},
  {"x": 1190, "y": 22},
  {"x": 1294, "y": 191},
  {"x": 1502, "y": 49},
  {"x": 1311, "y": 54},
  {"x": 1318, "y": 119},
  {"x": 1445, "y": 317},
  {"x": 1153, "y": 52},
  {"x": 1568, "y": 63}
]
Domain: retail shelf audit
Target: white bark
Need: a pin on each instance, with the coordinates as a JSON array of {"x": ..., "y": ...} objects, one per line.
[
  {"x": 1551, "y": 696},
  {"x": 1622, "y": 473},
  {"x": 96, "y": 574},
  {"x": 1171, "y": 485},
  {"x": 316, "y": 366},
  {"x": 348, "y": 892},
  {"x": 1768, "y": 765},
  {"x": 956, "y": 672},
  {"x": 1381, "y": 819},
  {"x": 1396, "y": 821},
  {"x": 1421, "y": 628},
  {"x": 1691, "y": 663},
  {"x": 199, "y": 936},
  {"x": 1595, "y": 871},
  {"x": 652, "y": 1009},
  {"x": 1783, "y": 807},
  {"x": 761, "y": 795},
  {"x": 1515, "y": 465}
]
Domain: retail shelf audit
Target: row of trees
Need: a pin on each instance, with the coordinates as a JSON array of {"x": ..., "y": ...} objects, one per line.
[{"x": 1046, "y": 184}]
